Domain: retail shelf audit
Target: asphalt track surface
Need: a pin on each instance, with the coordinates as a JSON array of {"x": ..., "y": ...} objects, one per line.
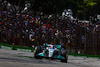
[{"x": 11, "y": 58}]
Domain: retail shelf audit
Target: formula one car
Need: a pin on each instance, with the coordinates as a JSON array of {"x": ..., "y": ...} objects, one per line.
[{"x": 51, "y": 51}]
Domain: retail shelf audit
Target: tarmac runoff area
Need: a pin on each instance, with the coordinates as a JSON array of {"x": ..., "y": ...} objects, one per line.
[{"x": 11, "y": 58}]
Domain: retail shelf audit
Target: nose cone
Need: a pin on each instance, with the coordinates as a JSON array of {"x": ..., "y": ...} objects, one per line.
[{"x": 51, "y": 52}]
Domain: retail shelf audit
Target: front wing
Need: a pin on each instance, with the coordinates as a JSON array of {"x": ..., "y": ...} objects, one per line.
[{"x": 57, "y": 57}]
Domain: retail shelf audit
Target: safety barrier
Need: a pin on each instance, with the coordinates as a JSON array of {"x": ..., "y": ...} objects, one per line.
[
  {"x": 14, "y": 47},
  {"x": 84, "y": 55}
]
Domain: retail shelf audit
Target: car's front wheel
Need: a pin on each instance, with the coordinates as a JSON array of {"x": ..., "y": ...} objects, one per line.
[
  {"x": 65, "y": 55},
  {"x": 36, "y": 52}
]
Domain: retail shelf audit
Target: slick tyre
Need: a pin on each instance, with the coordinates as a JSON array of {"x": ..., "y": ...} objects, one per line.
[
  {"x": 65, "y": 55},
  {"x": 36, "y": 52}
]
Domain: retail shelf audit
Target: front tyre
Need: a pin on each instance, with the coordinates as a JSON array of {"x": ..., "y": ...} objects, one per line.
[
  {"x": 66, "y": 59},
  {"x": 65, "y": 55},
  {"x": 36, "y": 52}
]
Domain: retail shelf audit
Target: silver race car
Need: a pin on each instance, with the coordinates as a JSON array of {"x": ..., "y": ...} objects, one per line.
[{"x": 51, "y": 51}]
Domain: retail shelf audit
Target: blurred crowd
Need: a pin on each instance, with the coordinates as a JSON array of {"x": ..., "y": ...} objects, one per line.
[{"x": 29, "y": 29}]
